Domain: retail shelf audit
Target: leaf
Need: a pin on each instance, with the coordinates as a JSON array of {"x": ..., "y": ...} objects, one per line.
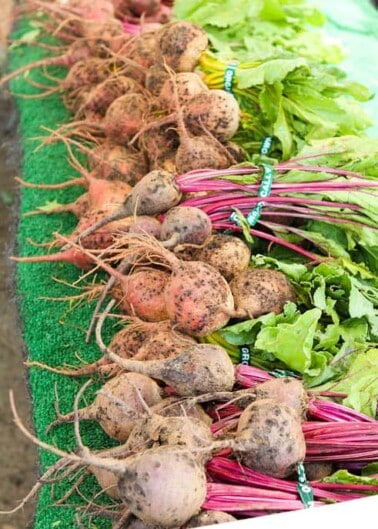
[
  {"x": 352, "y": 153},
  {"x": 343, "y": 476},
  {"x": 29, "y": 36},
  {"x": 269, "y": 72},
  {"x": 354, "y": 330},
  {"x": 328, "y": 338},
  {"x": 360, "y": 383},
  {"x": 369, "y": 256},
  {"x": 282, "y": 131},
  {"x": 359, "y": 305},
  {"x": 51, "y": 205},
  {"x": 245, "y": 333},
  {"x": 291, "y": 343}
]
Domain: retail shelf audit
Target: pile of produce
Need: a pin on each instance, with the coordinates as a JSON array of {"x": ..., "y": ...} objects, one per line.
[{"x": 215, "y": 255}]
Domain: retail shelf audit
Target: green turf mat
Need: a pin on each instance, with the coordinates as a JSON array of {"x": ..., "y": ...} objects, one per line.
[{"x": 54, "y": 331}]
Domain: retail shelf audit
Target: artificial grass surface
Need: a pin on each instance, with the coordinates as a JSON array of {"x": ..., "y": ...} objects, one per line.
[{"x": 54, "y": 331}]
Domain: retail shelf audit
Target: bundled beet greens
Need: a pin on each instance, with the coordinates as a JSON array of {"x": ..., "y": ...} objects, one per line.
[
  {"x": 282, "y": 71},
  {"x": 330, "y": 334},
  {"x": 231, "y": 203}
]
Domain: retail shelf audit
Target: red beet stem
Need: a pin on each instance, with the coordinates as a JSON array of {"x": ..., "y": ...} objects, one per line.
[
  {"x": 248, "y": 376},
  {"x": 228, "y": 225},
  {"x": 332, "y": 411},
  {"x": 236, "y": 498},
  {"x": 222, "y": 468}
]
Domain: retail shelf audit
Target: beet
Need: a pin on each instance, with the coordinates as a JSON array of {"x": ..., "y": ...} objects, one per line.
[
  {"x": 102, "y": 95},
  {"x": 228, "y": 254},
  {"x": 143, "y": 294},
  {"x": 163, "y": 486},
  {"x": 154, "y": 194},
  {"x": 159, "y": 144},
  {"x": 216, "y": 111},
  {"x": 118, "y": 404},
  {"x": 181, "y": 44},
  {"x": 142, "y": 49},
  {"x": 185, "y": 225},
  {"x": 200, "y": 152},
  {"x": 166, "y": 343},
  {"x": 198, "y": 298},
  {"x": 199, "y": 368},
  {"x": 156, "y": 75},
  {"x": 258, "y": 291},
  {"x": 117, "y": 162},
  {"x": 269, "y": 438},
  {"x": 197, "y": 152},
  {"x": 189, "y": 84},
  {"x": 124, "y": 117}
]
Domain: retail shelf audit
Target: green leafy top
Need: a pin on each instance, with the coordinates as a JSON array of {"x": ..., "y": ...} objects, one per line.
[
  {"x": 329, "y": 334},
  {"x": 286, "y": 83},
  {"x": 261, "y": 29}
]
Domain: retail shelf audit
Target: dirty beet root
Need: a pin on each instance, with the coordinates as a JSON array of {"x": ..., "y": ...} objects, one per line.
[
  {"x": 258, "y": 291},
  {"x": 118, "y": 404},
  {"x": 269, "y": 438},
  {"x": 154, "y": 194},
  {"x": 228, "y": 254},
  {"x": 199, "y": 368},
  {"x": 185, "y": 225}
]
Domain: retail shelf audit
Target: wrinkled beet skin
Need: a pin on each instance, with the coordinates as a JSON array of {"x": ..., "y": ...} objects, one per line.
[
  {"x": 145, "y": 292},
  {"x": 198, "y": 298},
  {"x": 156, "y": 486},
  {"x": 259, "y": 291},
  {"x": 226, "y": 253},
  {"x": 269, "y": 438}
]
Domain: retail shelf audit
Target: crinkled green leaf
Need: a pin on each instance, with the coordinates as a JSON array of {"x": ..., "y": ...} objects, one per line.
[
  {"x": 360, "y": 383},
  {"x": 49, "y": 206},
  {"x": 343, "y": 476},
  {"x": 352, "y": 153},
  {"x": 321, "y": 369},
  {"x": 291, "y": 342},
  {"x": 269, "y": 72},
  {"x": 368, "y": 470},
  {"x": 245, "y": 332},
  {"x": 354, "y": 330},
  {"x": 328, "y": 338}
]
